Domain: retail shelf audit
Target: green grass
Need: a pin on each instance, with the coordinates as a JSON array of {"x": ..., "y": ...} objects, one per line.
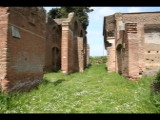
[
  {"x": 98, "y": 60},
  {"x": 93, "y": 91}
]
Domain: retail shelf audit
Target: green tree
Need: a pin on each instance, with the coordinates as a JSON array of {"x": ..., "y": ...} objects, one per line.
[{"x": 81, "y": 12}]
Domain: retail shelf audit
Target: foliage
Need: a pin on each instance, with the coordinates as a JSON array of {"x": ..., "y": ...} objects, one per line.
[
  {"x": 81, "y": 12},
  {"x": 155, "y": 91},
  {"x": 157, "y": 77},
  {"x": 93, "y": 91}
]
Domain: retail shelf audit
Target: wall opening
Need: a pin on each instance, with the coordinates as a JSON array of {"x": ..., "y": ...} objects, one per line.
[
  {"x": 75, "y": 47},
  {"x": 75, "y": 34},
  {"x": 55, "y": 60},
  {"x": 81, "y": 34},
  {"x": 119, "y": 59}
]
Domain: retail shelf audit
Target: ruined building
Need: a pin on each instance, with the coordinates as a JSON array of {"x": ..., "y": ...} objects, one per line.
[
  {"x": 132, "y": 41},
  {"x": 32, "y": 43}
]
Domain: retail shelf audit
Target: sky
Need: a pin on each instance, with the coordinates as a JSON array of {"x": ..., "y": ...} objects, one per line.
[{"x": 95, "y": 28}]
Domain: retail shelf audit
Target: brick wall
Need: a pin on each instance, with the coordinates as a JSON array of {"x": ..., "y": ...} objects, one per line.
[
  {"x": 33, "y": 43},
  {"x": 26, "y": 36},
  {"x": 152, "y": 48},
  {"x": 74, "y": 53},
  {"x": 136, "y": 47},
  {"x": 53, "y": 46}
]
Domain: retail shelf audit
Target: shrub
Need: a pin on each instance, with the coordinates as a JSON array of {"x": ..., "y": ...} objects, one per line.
[{"x": 157, "y": 77}]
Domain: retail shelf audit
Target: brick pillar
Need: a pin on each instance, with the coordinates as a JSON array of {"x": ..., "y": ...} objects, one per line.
[
  {"x": 140, "y": 29},
  {"x": 133, "y": 47},
  {"x": 87, "y": 54},
  {"x": 118, "y": 18},
  {"x": 80, "y": 54},
  {"x": 111, "y": 56},
  {"x": 64, "y": 47},
  {"x": 3, "y": 47}
]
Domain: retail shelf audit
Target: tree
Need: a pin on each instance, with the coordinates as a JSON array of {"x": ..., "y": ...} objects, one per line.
[{"x": 81, "y": 12}]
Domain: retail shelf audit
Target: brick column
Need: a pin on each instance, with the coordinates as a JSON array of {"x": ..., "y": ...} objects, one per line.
[
  {"x": 133, "y": 47},
  {"x": 111, "y": 56},
  {"x": 118, "y": 18},
  {"x": 87, "y": 54},
  {"x": 80, "y": 54},
  {"x": 64, "y": 47},
  {"x": 3, "y": 47}
]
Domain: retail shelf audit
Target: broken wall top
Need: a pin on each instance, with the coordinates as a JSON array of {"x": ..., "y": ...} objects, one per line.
[
  {"x": 71, "y": 21},
  {"x": 142, "y": 18},
  {"x": 39, "y": 11}
]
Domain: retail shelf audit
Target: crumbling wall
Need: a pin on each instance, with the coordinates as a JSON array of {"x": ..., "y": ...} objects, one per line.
[
  {"x": 136, "y": 46},
  {"x": 146, "y": 22},
  {"x": 26, "y": 36},
  {"x": 152, "y": 48},
  {"x": 142, "y": 17},
  {"x": 72, "y": 43},
  {"x": 53, "y": 46},
  {"x": 109, "y": 35},
  {"x": 32, "y": 44}
]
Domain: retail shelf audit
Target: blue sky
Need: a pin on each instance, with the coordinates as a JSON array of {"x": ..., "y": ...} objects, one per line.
[{"x": 95, "y": 28}]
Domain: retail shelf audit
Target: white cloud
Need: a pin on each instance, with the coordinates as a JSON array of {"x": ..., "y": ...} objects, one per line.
[{"x": 134, "y": 9}]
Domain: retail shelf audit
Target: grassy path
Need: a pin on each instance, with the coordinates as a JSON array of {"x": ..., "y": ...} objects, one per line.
[{"x": 93, "y": 91}]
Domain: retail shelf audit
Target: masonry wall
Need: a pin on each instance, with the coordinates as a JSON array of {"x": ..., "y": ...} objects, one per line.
[
  {"x": 87, "y": 55},
  {"x": 137, "y": 52},
  {"x": 133, "y": 51},
  {"x": 32, "y": 44},
  {"x": 72, "y": 47},
  {"x": 25, "y": 48},
  {"x": 109, "y": 35},
  {"x": 53, "y": 46},
  {"x": 147, "y": 63},
  {"x": 142, "y": 18},
  {"x": 86, "y": 51},
  {"x": 152, "y": 48},
  {"x": 111, "y": 66}
]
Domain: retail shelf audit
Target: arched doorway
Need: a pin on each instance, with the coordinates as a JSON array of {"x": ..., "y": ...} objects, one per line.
[
  {"x": 75, "y": 47},
  {"x": 119, "y": 58},
  {"x": 55, "y": 59}
]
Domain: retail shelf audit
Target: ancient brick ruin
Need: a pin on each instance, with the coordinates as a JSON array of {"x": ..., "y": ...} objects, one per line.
[
  {"x": 133, "y": 43},
  {"x": 32, "y": 43}
]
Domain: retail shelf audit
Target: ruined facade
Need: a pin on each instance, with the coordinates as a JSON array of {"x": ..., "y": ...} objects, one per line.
[
  {"x": 132, "y": 43},
  {"x": 74, "y": 45},
  {"x": 32, "y": 43},
  {"x": 53, "y": 46}
]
